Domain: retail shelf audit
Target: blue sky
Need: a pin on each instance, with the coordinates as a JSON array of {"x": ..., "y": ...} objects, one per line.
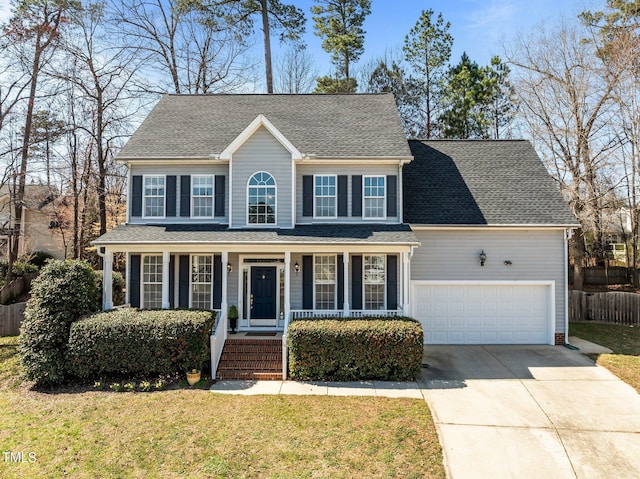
[{"x": 477, "y": 26}]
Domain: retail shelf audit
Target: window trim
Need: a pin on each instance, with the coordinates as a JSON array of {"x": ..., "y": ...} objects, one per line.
[
  {"x": 364, "y": 199},
  {"x": 164, "y": 197},
  {"x": 335, "y": 282},
  {"x": 275, "y": 214},
  {"x": 213, "y": 196},
  {"x": 364, "y": 283},
  {"x": 335, "y": 203},
  {"x": 191, "y": 283},
  {"x": 143, "y": 283}
]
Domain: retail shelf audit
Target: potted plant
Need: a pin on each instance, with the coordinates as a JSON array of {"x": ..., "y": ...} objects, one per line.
[
  {"x": 233, "y": 318},
  {"x": 193, "y": 376}
]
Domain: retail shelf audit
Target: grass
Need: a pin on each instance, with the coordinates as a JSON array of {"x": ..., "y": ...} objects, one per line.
[
  {"x": 195, "y": 433},
  {"x": 624, "y": 341}
]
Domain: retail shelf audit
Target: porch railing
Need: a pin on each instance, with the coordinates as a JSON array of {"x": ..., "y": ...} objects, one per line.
[
  {"x": 218, "y": 337},
  {"x": 339, "y": 313}
]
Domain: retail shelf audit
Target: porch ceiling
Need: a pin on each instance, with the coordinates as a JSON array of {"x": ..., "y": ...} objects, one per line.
[{"x": 373, "y": 234}]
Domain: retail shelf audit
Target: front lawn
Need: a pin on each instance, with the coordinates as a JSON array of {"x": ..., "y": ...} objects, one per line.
[
  {"x": 624, "y": 341},
  {"x": 195, "y": 433}
]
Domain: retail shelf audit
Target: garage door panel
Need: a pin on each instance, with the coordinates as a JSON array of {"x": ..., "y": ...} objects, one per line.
[{"x": 483, "y": 314}]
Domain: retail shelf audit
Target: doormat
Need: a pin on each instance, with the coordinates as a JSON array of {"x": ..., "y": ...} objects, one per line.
[{"x": 261, "y": 334}]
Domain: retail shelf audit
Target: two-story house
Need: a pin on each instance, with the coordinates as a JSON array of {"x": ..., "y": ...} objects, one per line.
[{"x": 294, "y": 206}]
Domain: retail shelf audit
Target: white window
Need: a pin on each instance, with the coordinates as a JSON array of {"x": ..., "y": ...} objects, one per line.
[
  {"x": 261, "y": 199},
  {"x": 325, "y": 196},
  {"x": 152, "y": 282},
  {"x": 374, "y": 282},
  {"x": 374, "y": 200},
  {"x": 324, "y": 280},
  {"x": 154, "y": 196},
  {"x": 202, "y": 196},
  {"x": 201, "y": 281}
]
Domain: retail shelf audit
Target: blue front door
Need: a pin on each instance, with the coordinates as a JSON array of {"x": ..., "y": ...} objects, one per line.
[{"x": 263, "y": 292}]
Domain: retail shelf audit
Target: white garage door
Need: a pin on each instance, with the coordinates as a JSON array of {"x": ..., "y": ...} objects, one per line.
[{"x": 483, "y": 313}]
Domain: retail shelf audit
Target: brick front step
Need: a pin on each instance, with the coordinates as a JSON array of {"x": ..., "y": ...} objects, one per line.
[{"x": 251, "y": 359}]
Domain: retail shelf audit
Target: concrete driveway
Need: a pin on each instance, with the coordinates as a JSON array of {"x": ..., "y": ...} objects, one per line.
[{"x": 530, "y": 411}]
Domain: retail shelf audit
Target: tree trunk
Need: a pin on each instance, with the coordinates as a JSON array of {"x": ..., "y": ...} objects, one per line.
[
  {"x": 577, "y": 250},
  {"x": 267, "y": 45}
]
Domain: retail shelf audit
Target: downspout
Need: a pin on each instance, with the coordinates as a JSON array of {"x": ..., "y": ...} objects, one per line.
[{"x": 567, "y": 235}]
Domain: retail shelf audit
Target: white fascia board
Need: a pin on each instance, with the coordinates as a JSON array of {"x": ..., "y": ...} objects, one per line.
[
  {"x": 171, "y": 160},
  {"x": 260, "y": 120},
  {"x": 354, "y": 160},
  {"x": 415, "y": 227}
]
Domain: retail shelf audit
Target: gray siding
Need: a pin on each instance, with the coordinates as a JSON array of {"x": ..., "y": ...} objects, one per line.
[
  {"x": 262, "y": 152},
  {"x": 454, "y": 255},
  {"x": 176, "y": 170},
  {"x": 350, "y": 170}
]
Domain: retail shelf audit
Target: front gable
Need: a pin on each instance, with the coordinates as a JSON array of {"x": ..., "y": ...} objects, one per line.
[{"x": 260, "y": 121}]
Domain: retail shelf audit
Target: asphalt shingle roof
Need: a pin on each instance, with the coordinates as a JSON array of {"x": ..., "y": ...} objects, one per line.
[
  {"x": 480, "y": 182},
  {"x": 221, "y": 234},
  {"x": 323, "y": 125}
]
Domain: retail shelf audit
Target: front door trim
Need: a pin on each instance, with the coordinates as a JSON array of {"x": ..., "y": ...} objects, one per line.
[{"x": 244, "y": 300}]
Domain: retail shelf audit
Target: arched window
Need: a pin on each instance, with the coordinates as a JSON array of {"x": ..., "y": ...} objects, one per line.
[{"x": 261, "y": 199}]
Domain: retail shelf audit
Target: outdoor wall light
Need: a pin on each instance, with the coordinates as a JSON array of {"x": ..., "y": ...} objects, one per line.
[
  {"x": 229, "y": 268},
  {"x": 483, "y": 257},
  {"x": 296, "y": 267}
]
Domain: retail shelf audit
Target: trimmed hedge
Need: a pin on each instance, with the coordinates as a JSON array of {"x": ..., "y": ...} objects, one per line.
[
  {"x": 137, "y": 343},
  {"x": 62, "y": 293},
  {"x": 354, "y": 349}
]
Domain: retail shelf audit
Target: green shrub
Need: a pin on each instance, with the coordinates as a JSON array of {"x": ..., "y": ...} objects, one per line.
[
  {"x": 20, "y": 268},
  {"x": 39, "y": 258},
  {"x": 117, "y": 287},
  {"x": 354, "y": 349},
  {"x": 138, "y": 343},
  {"x": 64, "y": 292}
]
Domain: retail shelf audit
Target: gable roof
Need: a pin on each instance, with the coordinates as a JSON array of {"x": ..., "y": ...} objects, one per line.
[
  {"x": 480, "y": 182},
  {"x": 325, "y": 126}
]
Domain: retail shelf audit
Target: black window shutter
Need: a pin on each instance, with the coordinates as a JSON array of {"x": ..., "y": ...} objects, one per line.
[
  {"x": 307, "y": 195},
  {"x": 171, "y": 196},
  {"x": 134, "y": 280},
  {"x": 185, "y": 195},
  {"x": 356, "y": 282},
  {"x": 342, "y": 195},
  {"x": 217, "y": 280},
  {"x": 183, "y": 281},
  {"x": 307, "y": 282},
  {"x": 136, "y": 195},
  {"x": 340, "y": 272},
  {"x": 392, "y": 282},
  {"x": 356, "y": 195},
  {"x": 172, "y": 280},
  {"x": 220, "y": 195},
  {"x": 392, "y": 195}
]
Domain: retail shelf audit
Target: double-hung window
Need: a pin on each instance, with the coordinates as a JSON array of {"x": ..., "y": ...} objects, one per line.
[
  {"x": 202, "y": 196},
  {"x": 324, "y": 280},
  {"x": 374, "y": 282},
  {"x": 152, "y": 282},
  {"x": 325, "y": 194},
  {"x": 154, "y": 191},
  {"x": 201, "y": 281},
  {"x": 374, "y": 198}
]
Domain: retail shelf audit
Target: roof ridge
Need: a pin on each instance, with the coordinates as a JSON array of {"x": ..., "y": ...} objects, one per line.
[{"x": 319, "y": 95}]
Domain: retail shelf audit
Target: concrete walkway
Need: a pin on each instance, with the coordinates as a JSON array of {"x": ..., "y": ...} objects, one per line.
[{"x": 510, "y": 411}]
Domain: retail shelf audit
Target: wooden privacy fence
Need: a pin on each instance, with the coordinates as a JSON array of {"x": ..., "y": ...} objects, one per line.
[
  {"x": 10, "y": 318},
  {"x": 612, "y": 307},
  {"x": 16, "y": 288},
  {"x": 599, "y": 275}
]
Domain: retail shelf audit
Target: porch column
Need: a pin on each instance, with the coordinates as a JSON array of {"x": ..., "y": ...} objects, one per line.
[
  {"x": 166, "y": 258},
  {"x": 287, "y": 285},
  {"x": 127, "y": 274},
  {"x": 224, "y": 304},
  {"x": 107, "y": 290},
  {"x": 406, "y": 283},
  {"x": 346, "y": 308}
]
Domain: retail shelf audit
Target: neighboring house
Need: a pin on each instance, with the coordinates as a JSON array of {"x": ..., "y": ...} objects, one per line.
[
  {"x": 295, "y": 206},
  {"x": 42, "y": 227}
]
